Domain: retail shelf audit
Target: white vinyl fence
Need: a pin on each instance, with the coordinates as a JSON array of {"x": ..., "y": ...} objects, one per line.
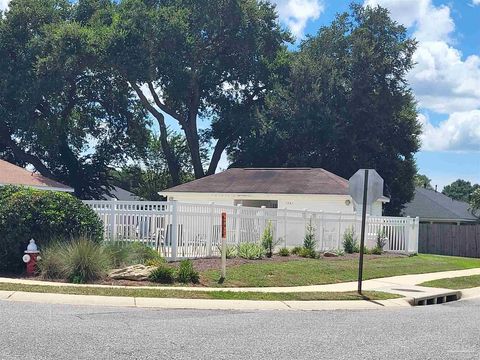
[{"x": 183, "y": 230}]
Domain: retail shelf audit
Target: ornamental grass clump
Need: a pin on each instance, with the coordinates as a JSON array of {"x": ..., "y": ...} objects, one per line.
[
  {"x": 186, "y": 273},
  {"x": 162, "y": 274},
  {"x": 251, "y": 251}
]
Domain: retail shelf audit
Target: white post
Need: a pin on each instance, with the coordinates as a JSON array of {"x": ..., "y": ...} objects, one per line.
[
  {"x": 339, "y": 239},
  {"x": 304, "y": 223},
  {"x": 322, "y": 229},
  {"x": 174, "y": 232},
  {"x": 285, "y": 225},
  {"x": 113, "y": 218},
  {"x": 210, "y": 227},
  {"x": 237, "y": 223},
  {"x": 264, "y": 220},
  {"x": 407, "y": 233}
]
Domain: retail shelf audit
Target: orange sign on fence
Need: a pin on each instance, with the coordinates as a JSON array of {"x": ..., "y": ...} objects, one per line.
[{"x": 224, "y": 225}]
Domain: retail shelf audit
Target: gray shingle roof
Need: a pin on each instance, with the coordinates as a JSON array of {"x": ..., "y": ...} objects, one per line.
[
  {"x": 268, "y": 181},
  {"x": 432, "y": 205},
  {"x": 122, "y": 195}
]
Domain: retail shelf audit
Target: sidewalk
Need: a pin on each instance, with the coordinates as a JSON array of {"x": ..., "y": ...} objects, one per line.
[{"x": 405, "y": 285}]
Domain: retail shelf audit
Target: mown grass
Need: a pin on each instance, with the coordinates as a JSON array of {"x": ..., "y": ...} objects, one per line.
[
  {"x": 185, "y": 294},
  {"x": 318, "y": 271},
  {"x": 463, "y": 282}
]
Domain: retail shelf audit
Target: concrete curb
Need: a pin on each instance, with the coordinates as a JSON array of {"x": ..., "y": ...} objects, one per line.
[
  {"x": 200, "y": 304},
  {"x": 470, "y": 293}
]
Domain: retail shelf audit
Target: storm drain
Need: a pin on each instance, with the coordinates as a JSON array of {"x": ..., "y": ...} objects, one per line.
[{"x": 437, "y": 299}]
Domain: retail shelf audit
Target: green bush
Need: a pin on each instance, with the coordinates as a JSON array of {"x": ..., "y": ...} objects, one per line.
[
  {"x": 232, "y": 251},
  {"x": 296, "y": 250},
  {"x": 377, "y": 251},
  {"x": 251, "y": 251},
  {"x": 350, "y": 244},
  {"x": 267, "y": 240},
  {"x": 125, "y": 253},
  {"x": 186, "y": 273},
  {"x": 309, "y": 242},
  {"x": 78, "y": 261},
  {"x": 284, "y": 252},
  {"x": 307, "y": 253},
  {"x": 45, "y": 216},
  {"x": 163, "y": 274}
]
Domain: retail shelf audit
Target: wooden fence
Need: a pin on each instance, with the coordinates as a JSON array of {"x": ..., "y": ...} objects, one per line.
[{"x": 450, "y": 239}]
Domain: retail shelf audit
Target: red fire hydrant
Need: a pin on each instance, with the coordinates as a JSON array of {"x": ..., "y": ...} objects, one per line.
[{"x": 31, "y": 257}]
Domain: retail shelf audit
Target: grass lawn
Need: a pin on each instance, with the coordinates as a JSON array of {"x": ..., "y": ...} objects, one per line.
[
  {"x": 219, "y": 295},
  {"x": 463, "y": 282},
  {"x": 318, "y": 271}
]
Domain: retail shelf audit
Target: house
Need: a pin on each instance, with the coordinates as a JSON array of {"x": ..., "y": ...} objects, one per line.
[
  {"x": 434, "y": 207},
  {"x": 120, "y": 194},
  {"x": 314, "y": 189},
  {"x": 11, "y": 174}
]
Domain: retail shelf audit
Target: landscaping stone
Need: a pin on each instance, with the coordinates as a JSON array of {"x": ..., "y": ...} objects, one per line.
[
  {"x": 134, "y": 272},
  {"x": 329, "y": 254}
]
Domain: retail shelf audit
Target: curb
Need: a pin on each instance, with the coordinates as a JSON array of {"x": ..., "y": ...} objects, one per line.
[{"x": 199, "y": 304}]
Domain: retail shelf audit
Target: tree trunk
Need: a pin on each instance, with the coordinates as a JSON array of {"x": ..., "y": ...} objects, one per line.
[
  {"x": 191, "y": 131},
  {"x": 217, "y": 154}
]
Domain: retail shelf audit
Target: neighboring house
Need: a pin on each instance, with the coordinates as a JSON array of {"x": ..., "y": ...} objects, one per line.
[
  {"x": 11, "y": 174},
  {"x": 314, "y": 189},
  {"x": 434, "y": 207},
  {"x": 122, "y": 195}
]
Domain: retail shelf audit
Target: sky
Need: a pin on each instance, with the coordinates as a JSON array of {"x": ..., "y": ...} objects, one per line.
[{"x": 445, "y": 79}]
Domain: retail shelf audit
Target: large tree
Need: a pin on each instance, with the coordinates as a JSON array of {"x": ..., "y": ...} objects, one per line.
[
  {"x": 346, "y": 105},
  {"x": 461, "y": 190},
  {"x": 59, "y": 110},
  {"x": 201, "y": 61}
]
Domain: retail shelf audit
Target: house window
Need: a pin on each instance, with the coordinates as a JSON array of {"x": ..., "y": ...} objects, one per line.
[{"x": 271, "y": 204}]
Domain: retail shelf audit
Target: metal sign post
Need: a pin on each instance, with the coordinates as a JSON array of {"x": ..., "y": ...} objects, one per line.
[
  {"x": 224, "y": 245},
  {"x": 365, "y": 187}
]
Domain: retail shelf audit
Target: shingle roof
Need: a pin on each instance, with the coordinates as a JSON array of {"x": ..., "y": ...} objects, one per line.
[
  {"x": 122, "y": 195},
  {"x": 15, "y": 175},
  {"x": 432, "y": 205},
  {"x": 268, "y": 181}
]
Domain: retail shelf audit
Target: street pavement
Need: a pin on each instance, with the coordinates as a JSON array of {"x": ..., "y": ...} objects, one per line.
[{"x": 48, "y": 331}]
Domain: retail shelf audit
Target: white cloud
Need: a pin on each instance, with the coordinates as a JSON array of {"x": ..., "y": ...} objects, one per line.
[
  {"x": 296, "y": 13},
  {"x": 475, "y": 2},
  {"x": 460, "y": 132}
]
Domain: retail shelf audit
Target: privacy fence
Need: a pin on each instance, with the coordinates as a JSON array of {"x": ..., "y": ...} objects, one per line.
[
  {"x": 450, "y": 239},
  {"x": 183, "y": 230}
]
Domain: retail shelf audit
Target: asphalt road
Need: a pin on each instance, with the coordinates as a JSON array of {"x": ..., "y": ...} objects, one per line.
[{"x": 37, "y": 331}]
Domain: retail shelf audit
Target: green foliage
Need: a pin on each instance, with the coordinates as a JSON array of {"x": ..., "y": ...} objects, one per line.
[
  {"x": 422, "y": 181},
  {"x": 460, "y": 190},
  {"x": 381, "y": 241},
  {"x": 251, "y": 251},
  {"x": 267, "y": 240},
  {"x": 376, "y": 250},
  {"x": 163, "y": 274},
  {"x": 80, "y": 260},
  {"x": 296, "y": 250},
  {"x": 342, "y": 83},
  {"x": 284, "y": 252},
  {"x": 307, "y": 253},
  {"x": 125, "y": 253},
  {"x": 45, "y": 216},
  {"x": 309, "y": 242},
  {"x": 475, "y": 203},
  {"x": 350, "y": 244},
  {"x": 186, "y": 273}
]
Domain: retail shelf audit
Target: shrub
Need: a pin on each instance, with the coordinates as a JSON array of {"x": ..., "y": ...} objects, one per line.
[
  {"x": 296, "y": 250},
  {"x": 350, "y": 244},
  {"x": 250, "y": 251},
  {"x": 45, "y": 216},
  {"x": 267, "y": 240},
  {"x": 309, "y": 241},
  {"x": 376, "y": 251},
  {"x": 123, "y": 253},
  {"x": 186, "y": 273},
  {"x": 307, "y": 253},
  {"x": 51, "y": 263},
  {"x": 232, "y": 251},
  {"x": 284, "y": 252},
  {"x": 381, "y": 242},
  {"x": 162, "y": 274}
]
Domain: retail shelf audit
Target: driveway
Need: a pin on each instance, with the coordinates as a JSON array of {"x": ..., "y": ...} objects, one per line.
[{"x": 46, "y": 331}]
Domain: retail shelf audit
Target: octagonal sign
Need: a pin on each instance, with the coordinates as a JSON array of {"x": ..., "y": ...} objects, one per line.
[{"x": 374, "y": 188}]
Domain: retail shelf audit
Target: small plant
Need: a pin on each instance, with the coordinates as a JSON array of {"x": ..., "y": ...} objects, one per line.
[
  {"x": 51, "y": 262},
  {"x": 267, "y": 240},
  {"x": 284, "y": 252},
  {"x": 350, "y": 244},
  {"x": 162, "y": 274},
  {"x": 186, "y": 273},
  {"x": 376, "y": 251},
  {"x": 307, "y": 253},
  {"x": 309, "y": 242},
  {"x": 232, "y": 251},
  {"x": 123, "y": 253},
  {"x": 338, "y": 252},
  {"x": 296, "y": 250},
  {"x": 251, "y": 251},
  {"x": 380, "y": 243}
]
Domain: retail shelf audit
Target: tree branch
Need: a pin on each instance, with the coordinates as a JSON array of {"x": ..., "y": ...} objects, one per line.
[{"x": 162, "y": 106}]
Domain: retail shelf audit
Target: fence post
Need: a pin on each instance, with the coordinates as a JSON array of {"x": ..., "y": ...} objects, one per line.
[
  {"x": 285, "y": 225},
  {"x": 304, "y": 223},
  {"x": 237, "y": 223},
  {"x": 113, "y": 218},
  {"x": 339, "y": 241},
  {"x": 210, "y": 228},
  {"x": 408, "y": 233},
  {"x": 174, "y": 230},
  {"x": 322, "y": 229}
]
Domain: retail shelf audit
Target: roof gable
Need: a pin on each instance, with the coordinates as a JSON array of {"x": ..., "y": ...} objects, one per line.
[{"x": 268, "y": 181}]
